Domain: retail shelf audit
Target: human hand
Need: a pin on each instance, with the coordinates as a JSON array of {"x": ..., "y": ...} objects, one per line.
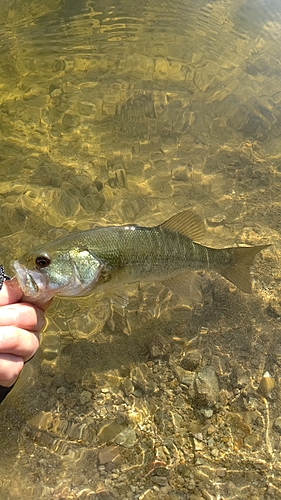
[{"x": 20, "y": 324}]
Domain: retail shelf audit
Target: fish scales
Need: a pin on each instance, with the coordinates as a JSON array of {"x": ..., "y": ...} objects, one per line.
[
  {"x": 150, "y": 251},
  {"x": 143, "y": 251}
]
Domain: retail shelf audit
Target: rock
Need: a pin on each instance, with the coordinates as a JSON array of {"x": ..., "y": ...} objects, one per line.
[
  {"x": 127, "y": 386},
  {"x": 185, "y": 377},
  {"x": 274, "y": 308},
  {"x": 160, "y": 481},
  {"x": 109, "y": 432},
  {"x": 267, "y": 384},
  {"x": 207, "y": 412},
  {"x": 142, "y": 378},
  {"x": 206, "y": 388},
  {"x": 215, "y": 452},
  {"x": 126, "y": 438},
  {"x": 85, "y": 397},
  {"x": 108, "y": 454},
  {"x": 191, "y": 360},
  {"x": 277, "y": 425}
]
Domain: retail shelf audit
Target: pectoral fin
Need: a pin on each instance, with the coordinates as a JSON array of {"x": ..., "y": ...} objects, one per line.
[
  {"x": 118, "y": 297},
  {"x": 118, "y": 294}
]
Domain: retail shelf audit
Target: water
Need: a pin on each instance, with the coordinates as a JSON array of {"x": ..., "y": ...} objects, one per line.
[{"x": 129, "y": 112}]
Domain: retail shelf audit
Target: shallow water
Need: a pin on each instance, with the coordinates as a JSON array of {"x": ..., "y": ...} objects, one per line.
[{"x": 129, "y": 112}]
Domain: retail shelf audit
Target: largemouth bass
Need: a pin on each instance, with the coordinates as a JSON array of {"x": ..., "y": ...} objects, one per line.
[{"x": 105, "y": 258}]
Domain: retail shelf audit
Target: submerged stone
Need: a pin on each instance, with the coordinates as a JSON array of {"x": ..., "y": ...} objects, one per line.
[{"x": 206, "y": 388}]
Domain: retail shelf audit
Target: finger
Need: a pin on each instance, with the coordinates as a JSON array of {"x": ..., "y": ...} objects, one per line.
[
  {"x": 11, "y": 292},
  {"x": 22, "y": 315},
  {"x": 10, "y": 368},
  {"x": 18, "y": 342},
  {"x": 43, "y": 305}
]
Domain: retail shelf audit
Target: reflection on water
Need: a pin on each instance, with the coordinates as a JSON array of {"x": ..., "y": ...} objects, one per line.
[{"x": 128, "y": 112}]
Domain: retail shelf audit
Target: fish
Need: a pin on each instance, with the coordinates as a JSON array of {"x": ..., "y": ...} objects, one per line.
[{"x": 108, "y": 258}]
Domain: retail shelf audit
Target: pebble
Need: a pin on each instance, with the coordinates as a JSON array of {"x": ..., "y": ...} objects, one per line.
[
  {"x": 206, "y": 495},
  {"x": 215, "y": 452},
  {"x": 206, "y": 388},
  {"x": 85, "y": 397},
  {"x": 109, "y": 432},
  {"x": 199, "y": 436},
  {"x": 277, "y": 425},
  {"x": 185, "y": 377},
  {"x": 127, "y": 386},
  {"x": 221, "y": 472},
  {"x": 274, "y": 308},
  {"x": 267, "y": 384},
  {"x": 207, "y": 413},
  {"x": 191, "y": 360},
  {"x": 126, "y": 438},
  {"x": 181, "y": 174},
  {"x": 160, "y": 481},
  {"x": 108, "y": 454}
]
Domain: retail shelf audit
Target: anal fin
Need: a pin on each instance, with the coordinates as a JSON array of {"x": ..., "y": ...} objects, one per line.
[{"x": 186, "y": 285}]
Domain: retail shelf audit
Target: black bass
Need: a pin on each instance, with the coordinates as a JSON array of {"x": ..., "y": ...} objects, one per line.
[{"x": 105, "y": 258}]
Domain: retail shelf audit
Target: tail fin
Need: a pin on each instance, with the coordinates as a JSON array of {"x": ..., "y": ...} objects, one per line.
[{"x": 238, "y": 270}]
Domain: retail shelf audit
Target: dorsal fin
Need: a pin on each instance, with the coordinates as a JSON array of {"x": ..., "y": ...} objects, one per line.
[{"x": 187, "y": 223}]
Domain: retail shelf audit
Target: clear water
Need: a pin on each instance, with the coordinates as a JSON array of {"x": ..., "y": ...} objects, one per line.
[{"x": 129, "y": 112}]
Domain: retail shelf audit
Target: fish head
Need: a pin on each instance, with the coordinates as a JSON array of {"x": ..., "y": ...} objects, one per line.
[{"x": 47, "y": 272}]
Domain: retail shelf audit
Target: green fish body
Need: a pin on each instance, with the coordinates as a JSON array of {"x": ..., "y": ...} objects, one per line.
[{"x": 105, "y": 258}]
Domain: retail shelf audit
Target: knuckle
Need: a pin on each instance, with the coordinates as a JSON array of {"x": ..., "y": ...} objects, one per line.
[{"x": 10, "y": 370}]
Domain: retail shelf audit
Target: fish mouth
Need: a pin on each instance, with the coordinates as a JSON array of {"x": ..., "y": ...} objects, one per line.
[
  {"x": 25, "y": 280},
  {"x": 31, "y": 282}
]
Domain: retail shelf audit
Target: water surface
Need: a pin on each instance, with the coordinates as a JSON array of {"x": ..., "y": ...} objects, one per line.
[{"x": 130, "y": 112}]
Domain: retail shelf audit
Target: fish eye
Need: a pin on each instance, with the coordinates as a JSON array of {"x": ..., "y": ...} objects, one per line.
[{"x": 42, "y": 261}]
